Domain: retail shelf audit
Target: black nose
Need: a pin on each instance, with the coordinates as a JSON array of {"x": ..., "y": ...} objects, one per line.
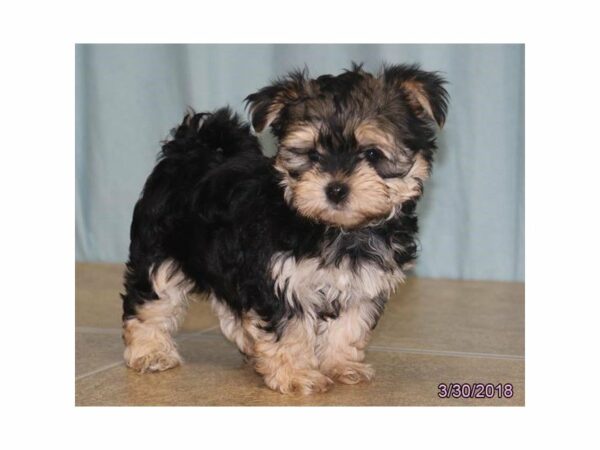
[{"x": 336, "y": 192}]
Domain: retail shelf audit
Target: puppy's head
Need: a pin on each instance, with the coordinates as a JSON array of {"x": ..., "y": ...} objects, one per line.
[{"x": 353, "y": 147}]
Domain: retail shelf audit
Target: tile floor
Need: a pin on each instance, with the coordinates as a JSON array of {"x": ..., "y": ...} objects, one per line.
[{"x": 433, "y": 331}]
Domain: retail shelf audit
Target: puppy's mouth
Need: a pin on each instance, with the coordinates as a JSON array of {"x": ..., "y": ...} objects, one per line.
[
  {"x": 341, "y": 207},
  {"x": 343, "y": 216}
]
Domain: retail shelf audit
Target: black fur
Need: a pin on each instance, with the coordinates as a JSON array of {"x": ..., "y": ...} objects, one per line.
[{"x": 214, "y": 205}]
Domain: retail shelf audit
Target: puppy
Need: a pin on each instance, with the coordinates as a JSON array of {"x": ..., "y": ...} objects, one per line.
[{"x": 297, "y": 253}]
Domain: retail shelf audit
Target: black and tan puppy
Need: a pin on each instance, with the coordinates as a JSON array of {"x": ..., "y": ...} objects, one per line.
[{"x": 299, "y": 252}]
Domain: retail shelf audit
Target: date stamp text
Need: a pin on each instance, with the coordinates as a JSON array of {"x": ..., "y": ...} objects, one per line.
[{"x": 475, "y": 390}]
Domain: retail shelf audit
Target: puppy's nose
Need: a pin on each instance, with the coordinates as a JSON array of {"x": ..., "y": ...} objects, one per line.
[{"x": 336, "y": 192}]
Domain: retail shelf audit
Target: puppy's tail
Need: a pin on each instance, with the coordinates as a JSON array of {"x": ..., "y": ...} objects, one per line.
[{"x": 216, "y": 136}]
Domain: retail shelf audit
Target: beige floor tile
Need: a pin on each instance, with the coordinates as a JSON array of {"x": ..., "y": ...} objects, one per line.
[
  {"x": 97, "y": 301},
  {"x": 93, "y": 351},
  {"x": 97, "y": 288},
  {"x": 97, "y": 348},
  {"x": 433, "y": 331},
  {"x": 215, "y": 374},
  {"x": 199, "y": 317},
  {"x": 466, "y": 316}
]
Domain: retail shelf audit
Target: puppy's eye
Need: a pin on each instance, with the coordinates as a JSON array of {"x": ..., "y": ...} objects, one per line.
[
  {"x": 314, "y": 156},
  {"x": 373, "y": 154}
]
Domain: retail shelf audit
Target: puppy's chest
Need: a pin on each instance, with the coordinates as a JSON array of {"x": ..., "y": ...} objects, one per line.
[{"x": 326, "y": 285}]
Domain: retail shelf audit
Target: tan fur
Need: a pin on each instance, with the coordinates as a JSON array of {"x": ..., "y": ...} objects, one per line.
[
  {"x": 368, "y": 195},
  {"x": 341, "y": 344},
  {"x": 287, "y": 182},
  {"x": 368, "y": 198},
  {"x": 287, "y": 161},
  {"x": 368, "y": 133},
  {"x": 309, "y": 352},
  {"x": 231, "y": 326},
  {"x": 371, "y": 197},
  {"x": 272, "y": 113},
  {"x": 410, "y": 186},
  {"x": 340, "y": 302},
  {"x": 288, "y": 365},
  {"x": 288, "y": 94},
  {"x": 149, "y": 345},
  {"x": 148, "y": 348},
  {"x": 301, "y": 135},
  {"x": 418, "y": 97}
]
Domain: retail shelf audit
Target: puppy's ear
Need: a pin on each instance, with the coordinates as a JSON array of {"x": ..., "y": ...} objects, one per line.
[
  {"x": 266, "y": 105},
  {"x": 425, "y": 90}
]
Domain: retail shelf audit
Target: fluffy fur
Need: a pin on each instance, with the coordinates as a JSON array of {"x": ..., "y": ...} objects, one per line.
[{"x": 299, "y": 252}]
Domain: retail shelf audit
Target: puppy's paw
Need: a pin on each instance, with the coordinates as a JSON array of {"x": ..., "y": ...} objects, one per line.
[
  {"x": 352, "y": 373},
  {"x": 305, "y": 382},
  {"x": 155, "y": 361},
  {"x": 147, "y": 348}
]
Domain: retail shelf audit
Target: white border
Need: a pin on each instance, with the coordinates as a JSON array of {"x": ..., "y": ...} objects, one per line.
[{"x": 37, "y": 187}]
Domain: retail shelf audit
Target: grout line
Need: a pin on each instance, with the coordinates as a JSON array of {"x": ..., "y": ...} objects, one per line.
[
  {"x": 98, "y": 330},
  {"x": 424, "y": 351},
  {"x": 381, "y": 348},
  {"x": 376, "y": 348},
  {"x": 100, "y": 369},
  {"x": 183, "y": 337},
  {"x": 210, "y": 337}
]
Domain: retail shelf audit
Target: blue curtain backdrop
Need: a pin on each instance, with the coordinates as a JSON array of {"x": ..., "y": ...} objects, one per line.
[{"x": 128, "y": 97}]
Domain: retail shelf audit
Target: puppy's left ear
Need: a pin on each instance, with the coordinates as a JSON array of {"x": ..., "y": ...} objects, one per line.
[
  {"x": 425, "y": 90},
  {"x": 267, "y": 104}
]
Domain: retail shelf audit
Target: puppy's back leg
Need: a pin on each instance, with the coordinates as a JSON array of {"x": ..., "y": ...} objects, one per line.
[{"x": 151, "y": 318}]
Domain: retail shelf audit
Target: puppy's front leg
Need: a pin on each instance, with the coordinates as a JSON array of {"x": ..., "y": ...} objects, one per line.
[
  {"x": 288, "y": 364},
  {"x": 342, "y": 342}
]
